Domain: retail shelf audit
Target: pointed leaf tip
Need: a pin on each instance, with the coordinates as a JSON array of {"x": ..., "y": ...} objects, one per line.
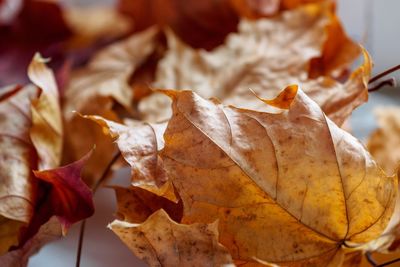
[
  {"x": 284, "y": 99},
  {"x": 70, "y": 199}
]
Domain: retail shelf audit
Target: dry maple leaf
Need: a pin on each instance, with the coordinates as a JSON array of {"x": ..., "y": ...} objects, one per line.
[
  {"x": 64, "y": 195},
  {"x": 384, "y": 145},
  {"x": 96, "y": 89},
  {"x": 46, "y": 132},
  {"x": 34, "y": 127},
  {"x": 31, "y": 139},
  {"x": 135, "y": 204},
  {"x": 289, "y": 188},
  {"x": 17, "y": 186},
  {"x": 162, "y": 242},
  {"x": 264, "y": 59},
  {"x": 320, "y": 184},
  {"x": 139, "y": 143}
]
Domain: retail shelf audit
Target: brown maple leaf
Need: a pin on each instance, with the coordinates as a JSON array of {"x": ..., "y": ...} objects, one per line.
[
  {"x": 31, "y": 139},
  {"x": 139, "y": 144},
  {"x": 383, "y": 144},
  {"x": 264, "y": 59},
  {"x": 103, "y": 88},
  {"x": 287, "y": 188},
  {"x": 135, "y": 205},
  {"x": 162, "y": 242},
  {"x": 17, "y": 183}
]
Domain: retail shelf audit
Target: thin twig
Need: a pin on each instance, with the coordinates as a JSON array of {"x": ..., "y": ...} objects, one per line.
[
  {"x": 95, "y": 187},
  {"x": 386, "y": 72},
  {"x": 391, "y": 82},
  {"x": 389, "y": 262},
  {"x": 371, "y": 261},
  {"x": 106, "y": 171},
  {"x": 80, "y": 242}
]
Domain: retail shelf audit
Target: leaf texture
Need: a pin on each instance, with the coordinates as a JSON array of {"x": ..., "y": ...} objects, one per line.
[
  {"x": 162, "y": 242},
  {"x": 296, "y": 187},
  {"x": 263, "y": 59}
]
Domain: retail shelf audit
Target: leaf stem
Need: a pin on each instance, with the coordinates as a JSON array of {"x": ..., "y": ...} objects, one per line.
[
  {"x": 95, "y": 187},
  {"x": 371, "y": 261},
  {"x": 391, "y": 82},
  {"x": 382, "y": 74},
  {"x": 80, "y": 242},
  {"x": 389, "y": 262}
]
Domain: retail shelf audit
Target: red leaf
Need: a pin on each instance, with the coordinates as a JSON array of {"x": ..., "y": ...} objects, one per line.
[
  {"x": 63, "y": 194},
  {"x": 70, "y": 198}
]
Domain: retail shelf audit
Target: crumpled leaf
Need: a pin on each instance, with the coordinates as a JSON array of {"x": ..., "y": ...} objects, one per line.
[
  {"x": 107, "y": 74},
  {"x": 139, "y": 144},
  {"x": 31, "y": 139},
  {"x": 162, "y": 242},
  {"x": 46, "y": 132},
  {"x": 65, "y": 196},
  {"x": 98, "y": 89},
  {"x": 260, "y": 57},
  {"x": 288, "y": 188},
  {"x": 383, "y": 145},
  {"x": 135, "y": 205},
  {"x": 16, "y": 180}
]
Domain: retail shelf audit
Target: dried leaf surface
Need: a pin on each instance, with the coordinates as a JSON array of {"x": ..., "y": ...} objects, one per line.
[
  {"x": 139, "y": 144},
  {"x": 162, "y": 242},
  {"x": 16, "y": 179},
  {"x": 46, "y": 132},
  {"x": 135, "y": 205},
  {"x": 107, "y": 74},
  {"x": 384, "y": 145},
  {"x": 68, "y": 197},
  {"x": 315, "y": 183},
  {"x": 31, "y": 139},
  {"x": 97, "y": 89},
  {"x": 260, "y": 57}
]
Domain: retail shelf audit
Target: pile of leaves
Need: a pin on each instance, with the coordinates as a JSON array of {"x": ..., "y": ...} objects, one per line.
[{"x": 231, "y": 115}]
